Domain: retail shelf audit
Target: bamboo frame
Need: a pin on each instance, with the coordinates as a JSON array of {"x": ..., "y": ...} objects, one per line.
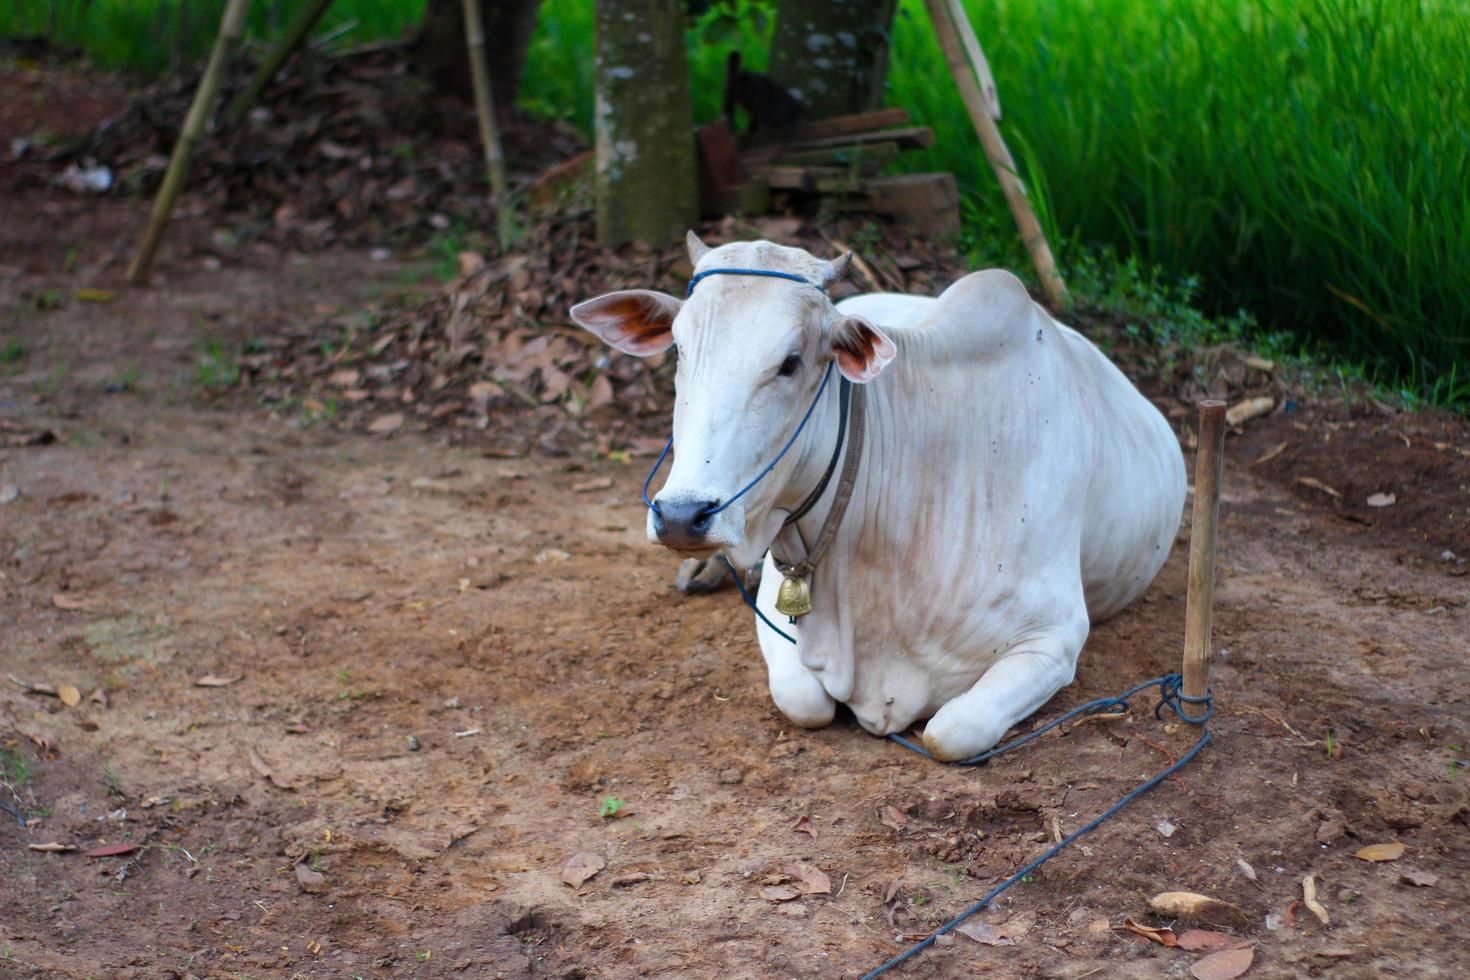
[
  {"x": 296, "y": 31},
  {"x": 947, "y": 18},
  {"x": 1209, "y": 466},
  {"x": 485, "y": 107},
  {"x": 232, "y": 25}
]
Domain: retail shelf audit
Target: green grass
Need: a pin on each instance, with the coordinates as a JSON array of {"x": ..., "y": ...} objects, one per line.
[{"x": 151, "y": 36}]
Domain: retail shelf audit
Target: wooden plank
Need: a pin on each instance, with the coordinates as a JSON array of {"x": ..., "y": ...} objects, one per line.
[
  {"x": 868, "y": 159},
  {"x": 861, "y": 122},
  {"x": 907, "y": 138}
]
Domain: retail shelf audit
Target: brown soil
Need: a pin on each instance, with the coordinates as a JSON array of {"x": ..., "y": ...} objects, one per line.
[{"x": 447, "y": 661}]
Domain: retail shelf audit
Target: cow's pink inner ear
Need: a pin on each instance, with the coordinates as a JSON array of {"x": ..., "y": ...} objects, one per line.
[
  {"x": 861, "y": 349},
  {"x": 636, "y": 321}
]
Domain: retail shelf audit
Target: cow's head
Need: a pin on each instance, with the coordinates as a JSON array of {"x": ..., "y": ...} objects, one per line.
[{"x": 752, "y": 353}]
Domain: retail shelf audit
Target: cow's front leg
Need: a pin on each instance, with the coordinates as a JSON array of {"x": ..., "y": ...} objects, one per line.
[
  {"x": 795, "y": 689},
  {"x": 700, "y": 576},
  {"x": 1021, "y": 681}
]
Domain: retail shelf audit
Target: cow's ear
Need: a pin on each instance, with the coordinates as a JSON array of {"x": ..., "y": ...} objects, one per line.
[
  {"x": 861, "y": 349},
  {"x": 635, "y": 321}
]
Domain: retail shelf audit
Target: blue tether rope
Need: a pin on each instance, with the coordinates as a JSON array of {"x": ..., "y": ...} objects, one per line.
[
  {"x": 768, "y": 273},
  {"x": 1170, "y": 696}
]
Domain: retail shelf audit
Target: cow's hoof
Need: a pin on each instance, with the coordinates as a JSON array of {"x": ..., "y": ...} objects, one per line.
[
  {"x": 700, "y": 576},
  {"x": 952, "y": 739}
]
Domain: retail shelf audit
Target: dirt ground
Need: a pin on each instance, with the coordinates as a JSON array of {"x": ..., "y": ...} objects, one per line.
[{"x": 439, "y": 669}]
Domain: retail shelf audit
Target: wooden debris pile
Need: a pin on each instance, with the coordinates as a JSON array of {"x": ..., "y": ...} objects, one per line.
[{"x": 838, "y": 161}]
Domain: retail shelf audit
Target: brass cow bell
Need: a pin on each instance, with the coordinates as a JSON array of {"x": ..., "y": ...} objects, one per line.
[{"x": 795, "y": 597}]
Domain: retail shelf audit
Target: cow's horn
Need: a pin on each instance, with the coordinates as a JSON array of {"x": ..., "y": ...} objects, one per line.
[
  {"x": 836, "y": 269},
  {"x": 697, "y": 248}
]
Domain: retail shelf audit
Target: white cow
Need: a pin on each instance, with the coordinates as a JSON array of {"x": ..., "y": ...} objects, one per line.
[{"x": 1014, "y": 486}]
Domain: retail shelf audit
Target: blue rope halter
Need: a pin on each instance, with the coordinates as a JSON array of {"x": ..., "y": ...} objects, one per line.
[{"x": 770, "y": 274}]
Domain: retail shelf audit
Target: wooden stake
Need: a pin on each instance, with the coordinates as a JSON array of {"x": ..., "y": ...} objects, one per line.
[
  {"x": 474, "y": 25},
  {"x": 945, "y": 18},
  {"x": 1209, "y": 464},
  {"x": 296, "y": 32},
  {"x": 232, "y": 24}
]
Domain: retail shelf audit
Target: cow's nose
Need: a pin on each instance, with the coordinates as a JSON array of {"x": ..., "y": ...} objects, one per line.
[{"x": 684, "y": 522}]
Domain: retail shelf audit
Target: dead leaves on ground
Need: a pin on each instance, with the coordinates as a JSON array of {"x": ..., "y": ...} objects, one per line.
[
  {"x": 1380, "y": 852},
  {"x": 1224, "y": 965},
  {"x": 215, "y": 680},
  {"x": 580, "y": 868},
  {"x": 794, "y": 880},
  {"x": 1007, "y": 933},
  {"x": 1194, "y": 907}
]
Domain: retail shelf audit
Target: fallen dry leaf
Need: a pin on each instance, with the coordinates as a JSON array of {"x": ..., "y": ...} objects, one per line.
[
  {"x": 779, "y": 893},
  {"x": 384, "y": 424},
  {"x": 1008, "y": 933},
  {"x": 596, "y": 483},
  {"x": 1380, "y": 852},
  {"x": 1251, "y": 408},
  {"x": 1417, "y": 878},
  {"x": 1382, "y": 500},
  {"x": 893, "y": 817},
  {"x": 1316, "y": 484},
  {"x": 71, "y": 602},
  {"x": 1309, "y": 899},
  {"x": 1204, "y": 941},
  {"x": 1224, "y": 965},
  {"x": 1245, "y": 868},
  {"x": 807, "y": 879},
  {"x": 1195, "y": 907},
  {"x": 112, "y": 850},
  {"x": 580, "y": 867},
  {"x": 804, "y": 825},
  {"x": 632, "y": 878},
  {"x": 312, "y": 882},
  {"x": 1164, "y": 937},
  {"x": 52, "y": 848},
  {"x": 1270, "y": 454},
  {"x": 69, "y": 695},
  {"x": 214, "y": 680}
]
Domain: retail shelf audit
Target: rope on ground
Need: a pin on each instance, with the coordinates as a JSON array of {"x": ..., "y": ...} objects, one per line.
[{"x": 1170, "y": 696}]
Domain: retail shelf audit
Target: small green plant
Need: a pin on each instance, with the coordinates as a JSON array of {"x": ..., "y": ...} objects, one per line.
[
  {"x": 12, "y": 352},
  {"x": 1329, "y": 743},
  {"x": 423, "y": 955},
  {"x": 611, "y": 806},
  {"x": 114, "y": 781},
  {"x": 216, "y": 368},
  {"x": 315, "y": 860},
  {"x": 1452, "y": 765},
  {"x": 15, "y": 768}
]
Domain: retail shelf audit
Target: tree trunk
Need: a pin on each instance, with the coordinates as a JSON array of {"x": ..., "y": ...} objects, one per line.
[
  {"x": 832, "y": 54},
  {"x": 646, "y": 188},
  {"x": 439, "y": 54}
]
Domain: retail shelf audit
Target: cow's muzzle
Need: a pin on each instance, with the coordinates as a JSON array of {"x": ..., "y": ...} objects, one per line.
[{"x": 683, "y": 523}]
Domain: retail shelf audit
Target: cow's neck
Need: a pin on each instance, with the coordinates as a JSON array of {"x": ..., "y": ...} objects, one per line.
[{"x": 794, "y": 540}]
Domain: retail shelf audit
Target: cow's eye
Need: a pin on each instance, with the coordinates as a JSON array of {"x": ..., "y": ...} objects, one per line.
[{"x": 789, "y": 366}]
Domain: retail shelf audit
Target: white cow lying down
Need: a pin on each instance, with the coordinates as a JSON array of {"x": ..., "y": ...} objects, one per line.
[{"x": 1014, "y": 486}]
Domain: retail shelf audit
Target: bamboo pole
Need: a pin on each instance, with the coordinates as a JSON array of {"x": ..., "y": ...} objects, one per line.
[
  {"x": 1209, "y": 464},
  {"x": 232, "y": 25},
  {"x": 945, "y": 18},
  {"x": 296, "y": 31},
  {"x": 976, "y": 56},
  {"x": 485, "y": 106}
]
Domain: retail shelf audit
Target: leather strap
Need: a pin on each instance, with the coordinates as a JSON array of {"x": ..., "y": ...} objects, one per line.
[
  {"x": 845, "y": 392},
  {"x": 845, "y": 486}
]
